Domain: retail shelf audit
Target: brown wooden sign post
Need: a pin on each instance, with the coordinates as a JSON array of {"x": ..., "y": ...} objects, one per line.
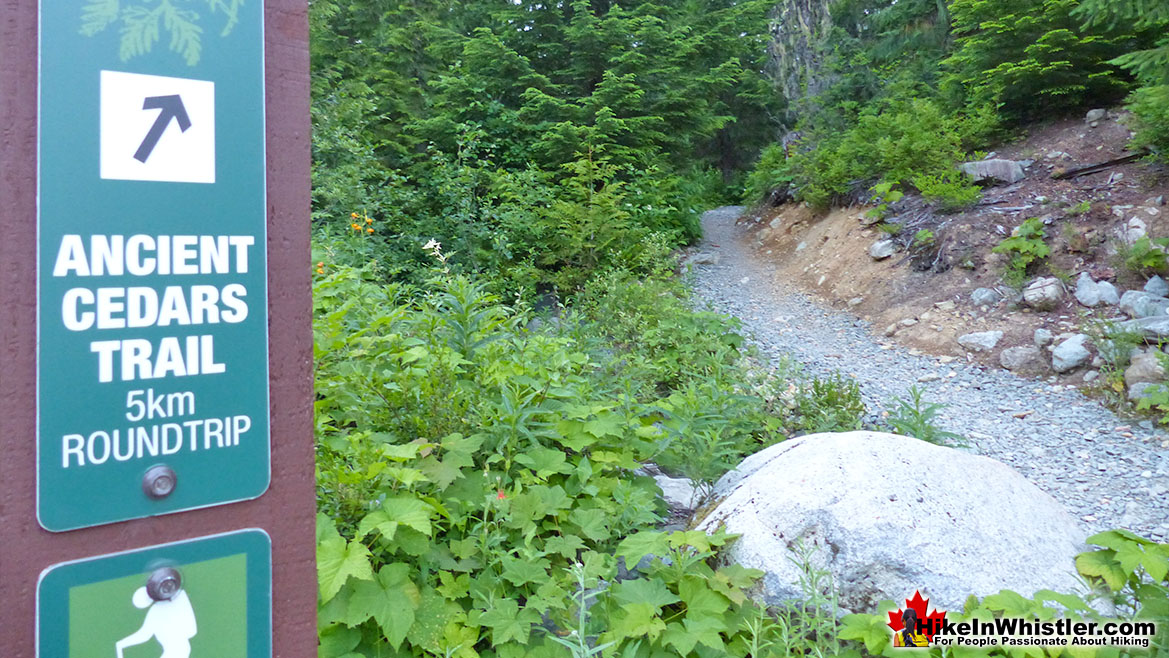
[{"x": 280, "y": 509}]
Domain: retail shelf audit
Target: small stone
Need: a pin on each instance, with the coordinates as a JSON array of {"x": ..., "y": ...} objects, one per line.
[
  {"x": 944, "y": 306},
  {"x": 1139, "y": 391},
  {"x": 1145, "y": 367},
  {"x": 882, "y": 250},
  {"x": 1091, "y": 376},
  {"x": 1108, "y": 293},
  {"x": 931, "y": 377},
  {"x": 856, "y": 301},
  {"x": 1146, "y": 474},
  {"x": 801, "y": 246},
  {"x": 1087, "y": 292},
  {"x": 823, "y": 278},
  {"x": 1140, "y": 304},
  {"x": 1044, "y": 293},
  {"x": 705, "y": 258},
  {"x": 980, "y": 341},
  {"x": 1070, "y": 354},
  {"x": 1157, "y": 286},
  {"x": 1132, "y": 230},
  {"x": 1043, "y": 337},
  {"x": 1020, "y": 358},
  {"x": 985, "y": 297},
  {"x": 907, "y": 322},
  {"x": 890, "y": 330},
  {"x": 1096, "y": 115}
]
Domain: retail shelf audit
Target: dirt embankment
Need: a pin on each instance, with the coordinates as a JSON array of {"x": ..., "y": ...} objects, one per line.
[{"x": 923, "y": 298}]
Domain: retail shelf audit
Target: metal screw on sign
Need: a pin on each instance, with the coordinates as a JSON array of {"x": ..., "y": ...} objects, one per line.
[
  {"x": 159, "y": 481},
  {"x": 164, "y": 584}
]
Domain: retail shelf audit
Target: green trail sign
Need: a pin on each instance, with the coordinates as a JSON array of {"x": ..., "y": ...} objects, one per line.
[
  {"x": 152, "y": 344},
  {"x": 203, "y": 597}
]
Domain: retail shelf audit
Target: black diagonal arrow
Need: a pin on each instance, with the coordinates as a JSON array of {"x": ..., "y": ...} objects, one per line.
[{"x": 172, "y": 108}]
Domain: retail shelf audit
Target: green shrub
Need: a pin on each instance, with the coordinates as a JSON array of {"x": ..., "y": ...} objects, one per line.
[
  {"x": 1150, "y": 108},
  {"x": 770, "y": 173},
  {"x": 1024, "y": 248},
  {"x": 1145, "y": 256},
  {"x": 895, "y": 143},
  {"x": 831, "y": 404},
  {"x": 917, "y": 418},
  {"x": 1030, "y": 58},
  {"x": 883, "y": 196},
  {"x": 951, "y": 191}
]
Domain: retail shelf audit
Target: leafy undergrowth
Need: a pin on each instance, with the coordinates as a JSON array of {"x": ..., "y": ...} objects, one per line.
[
  {"x": 478, "y": 486},
  {"x": 471, "y": 469}
]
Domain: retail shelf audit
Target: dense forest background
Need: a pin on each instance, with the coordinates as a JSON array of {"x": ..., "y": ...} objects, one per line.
[{"x": 499, "y": 192}]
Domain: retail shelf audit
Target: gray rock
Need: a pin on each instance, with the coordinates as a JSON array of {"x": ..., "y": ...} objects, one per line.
[
  {"x": 1095, "y": 115},
  {"x": 921, "y": 521},
  {"x": 1043, "y": 337},
  {"x": 985, "y": 297},
  {"x": 1087, "y": 292},
  {"x": 1140, "y": 304},
  {"x": 1140, "y": 390},
  {"x": 1145, "y": 367},
  {"x": 681, "y": 495},
  {"x": 997, "y": 170},
  {"x": 705, "y": 258},
  {"x": 1152, "y": 327},
  {"x": 1071, "y": 353},
  {"x": 1132, "y": 230},
  {"x": 1043, "y": 294},
  {"x": 1157, "y": 286},
  {"x": 1108, "y": 293},
  {"x": 1023, "y": 357},
  {"x": 980, "y": 341},
  {"x": 882, "y": 250}
]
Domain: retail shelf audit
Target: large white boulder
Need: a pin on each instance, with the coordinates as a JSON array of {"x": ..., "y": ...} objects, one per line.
[{"x": 889, "y": 515}]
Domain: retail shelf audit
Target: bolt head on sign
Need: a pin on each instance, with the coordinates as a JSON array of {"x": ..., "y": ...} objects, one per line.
[
  {"x": 152, "y": 291},
  {"x": 202, "y": 597}
]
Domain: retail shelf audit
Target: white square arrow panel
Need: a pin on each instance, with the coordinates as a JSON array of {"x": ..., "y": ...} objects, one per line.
[{"x": 156, "y": 128}]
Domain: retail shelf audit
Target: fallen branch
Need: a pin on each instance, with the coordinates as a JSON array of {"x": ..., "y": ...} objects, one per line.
[{"x": 1098, "y": 167}]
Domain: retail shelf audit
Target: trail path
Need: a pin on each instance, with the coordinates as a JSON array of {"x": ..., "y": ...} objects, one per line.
[{"x": 1108, "y": 471}]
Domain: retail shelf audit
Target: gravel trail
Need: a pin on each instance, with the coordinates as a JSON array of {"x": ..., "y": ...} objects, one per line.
[{"x": 1108, "y": 471}]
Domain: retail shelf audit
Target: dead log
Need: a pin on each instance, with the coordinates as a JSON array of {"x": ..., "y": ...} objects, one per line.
[{"x": 1098, "y": 167}]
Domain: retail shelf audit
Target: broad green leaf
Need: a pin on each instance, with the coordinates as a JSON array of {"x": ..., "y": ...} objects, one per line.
[
  {"x": 643, "y": 543},
  {"x": 544, "y": 461},
  {"x": 650, "y": 591},
  {"x": 506, "y": 622},
  {"x": 390, "y": 600},
  {"x": 565, "y": 545},
  {"x": 635, "y": 620},
  {"x": 701, "y": 600},
  {"x": 338, "y": 641},
  {"x": 430, "y": 621},
  {"x": 592, "y": 523},
  {"x": 394, "y": 512},
  {"x": 1103, "y": 565},
  {"x": 338, "y": 561}
]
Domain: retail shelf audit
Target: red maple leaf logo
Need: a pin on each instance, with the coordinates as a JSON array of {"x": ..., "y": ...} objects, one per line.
[{"x": 930, "y": 622}]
